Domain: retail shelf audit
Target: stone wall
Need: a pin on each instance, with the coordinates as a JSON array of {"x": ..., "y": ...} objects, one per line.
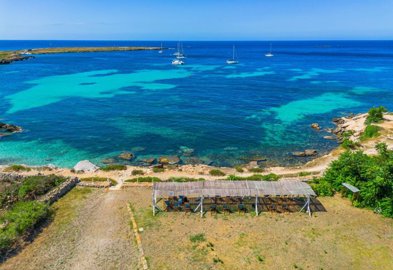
[{"x": 59, "y": 191}]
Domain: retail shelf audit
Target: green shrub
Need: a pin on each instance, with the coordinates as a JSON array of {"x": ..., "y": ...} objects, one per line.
[
  {"x": 22, "y": 217},
  {"x": 304, "y": 174},
  {"x": 17, "y": 168},
  {"x": 158, "y": 170},
  {"x": 322, "y": 187},
  {"x": 199, "y": 237},
  {"x": 148, "y": 179},
  {"x": 34, "y": 186},
  {"x": 114, "y": 167},
  {"x": 216, "y": 172},
  {"x": 256, "y": 170},
  {"x": 371, "y": 131},
  {"x": 185, "y": 179},
  {"x": 137, "y": 172},
  {"x": 349, "y": 144},
  {"x": 239, "y": 169},
  {"x": 372, "y": 175},
  {"x": 375, "y": 115},
  {"x": 255, "y": 177},
  {"x": 99, "y": 179}
]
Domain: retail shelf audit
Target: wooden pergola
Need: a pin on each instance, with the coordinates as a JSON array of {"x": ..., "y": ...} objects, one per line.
[{"x": 225, "y": 188}]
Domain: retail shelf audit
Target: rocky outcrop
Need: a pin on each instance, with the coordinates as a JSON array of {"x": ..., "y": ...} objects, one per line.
[
  {"x": 305, "y": 153},
  {"x": 148, "y": 161},
  {"x": 85, "y": 166},
  {"x": 127, "y": 156},
  {"x": 315, "y": 126},
  {"x": 169, "y": 160},
  {"x": 8, "y": 129}
]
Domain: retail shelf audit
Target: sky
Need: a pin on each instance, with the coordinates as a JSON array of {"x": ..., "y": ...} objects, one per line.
[{"x": 196, "y": 20}]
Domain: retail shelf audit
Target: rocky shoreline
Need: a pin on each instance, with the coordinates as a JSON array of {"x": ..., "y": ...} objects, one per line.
[{"x": 166, "y": 167}]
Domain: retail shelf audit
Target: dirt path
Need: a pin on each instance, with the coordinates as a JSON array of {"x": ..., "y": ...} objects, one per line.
[{"x": 90, "y": 231}]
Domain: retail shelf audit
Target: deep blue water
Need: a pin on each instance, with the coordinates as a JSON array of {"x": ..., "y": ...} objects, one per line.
[{"x": 95, "y": 105}]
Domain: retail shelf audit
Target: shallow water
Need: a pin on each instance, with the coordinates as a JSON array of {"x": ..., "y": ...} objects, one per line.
[{"x": 95, "y": 105}]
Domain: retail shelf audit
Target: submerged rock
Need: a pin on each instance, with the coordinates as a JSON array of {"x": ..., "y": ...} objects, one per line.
[
  {"x": 315, "y": 126},
  {"x": 148, "y": 161},
  {"x": 305, "y": 153},
  {"x": 127, "y": 156},
  {"x": 171, "y": 160},
  {"x": 186, "y": 151},
  {"x": 109, "y": 161},
  {"x": 85, "y": 166},
  {"x": 10, "y": 128}
]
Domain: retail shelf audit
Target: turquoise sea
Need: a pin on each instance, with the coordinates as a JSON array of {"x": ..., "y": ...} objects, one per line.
[{"x": 96, "y": 105}]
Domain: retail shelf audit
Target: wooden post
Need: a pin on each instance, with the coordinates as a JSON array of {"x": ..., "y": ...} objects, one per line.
[
  {"x": 202, "y": 206},
  {"x": 308, "y": 206},
  {"x": 256, "y": 205},
  {"x": 154, "y": 204}
]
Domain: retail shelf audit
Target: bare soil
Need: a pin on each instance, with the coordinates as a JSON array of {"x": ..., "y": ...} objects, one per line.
[{"x": 90, "y": 230}]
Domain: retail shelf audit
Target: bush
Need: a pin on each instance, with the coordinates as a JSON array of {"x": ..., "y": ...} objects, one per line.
[
  {"x": 372, "y": 175},
  {"x": 216, "y": 172},
  {"x": 349, "y": 144},
  {"x": 99, "y": 179},
  {"x": 239, "y": 169},
  {"x": 148, "y": 179},
  {"x": 17, "y": 168},
  {"x": 21, "y": 218},
  {"x": 304, "y": 174},
  {"x": 185, "y": 179},
  {"x": 158, "y": 170},
  {"x": 375, "y": 115},
  {"x": 114, "y": 167},
  {"x": 371, "y": 131},
  {"x": 256, "y": 170},
  {"x": 322, "y": 187},
  {"x": 255, "y": 177},
  {"x": 200, "y": 237},
  {"x": 34, "y": 186},
  {"x": 137, "y": 172}
]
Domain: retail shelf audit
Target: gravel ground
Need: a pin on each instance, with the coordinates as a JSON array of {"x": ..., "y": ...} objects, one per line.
[{"x": 90, "y": 230}]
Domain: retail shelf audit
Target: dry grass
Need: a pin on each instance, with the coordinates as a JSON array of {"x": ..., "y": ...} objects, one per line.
[{"x": 344, "y": 237}]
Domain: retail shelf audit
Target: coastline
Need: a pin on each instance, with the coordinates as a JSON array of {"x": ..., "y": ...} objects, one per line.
[
  {"x": 7, "y": 57},
  {"x": 313, "y": 168}
]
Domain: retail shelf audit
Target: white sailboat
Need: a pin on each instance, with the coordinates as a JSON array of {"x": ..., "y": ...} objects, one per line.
[
  {"x": 179, "y": 56},
  {"x": 232, "y": 61},
  {"x": 269, "y": 54},
  {"x": 161, "y": 49}
]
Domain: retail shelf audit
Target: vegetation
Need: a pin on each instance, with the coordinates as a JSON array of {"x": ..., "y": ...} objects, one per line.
[
  {"x": 256, "y": 170},
  {"x": 114, "y": 167},
  {"x": 17, "y": 168},
  {"x": 375, "y": 115},
  {"x": 148, "y": 179},
  {"x": 304, "y": 173},
  {"x": 99, "y": 179},
  {"x": 29, "y": 189},
  {"x": 216, "y": 172},
  {"x": 348, "y": 144},
  {"x": 16, "y": 222},
  {"x": 199, "y": 237},
  {"x": 239, "y": 169},
  {"x": 185, "y": 179},
  {"x": 371, "y": 131},
  {"x": 372, "y": 175},
  {"x": 158, "y": 170},
  {"x": 137, "y": 172},
  {"x": 255, "y": 177}
]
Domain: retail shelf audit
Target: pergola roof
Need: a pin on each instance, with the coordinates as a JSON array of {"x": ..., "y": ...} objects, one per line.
[{"x": 226, "y": 188}]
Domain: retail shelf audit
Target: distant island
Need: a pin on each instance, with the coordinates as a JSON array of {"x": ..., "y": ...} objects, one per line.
[{"x": 7, "y": 57}]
